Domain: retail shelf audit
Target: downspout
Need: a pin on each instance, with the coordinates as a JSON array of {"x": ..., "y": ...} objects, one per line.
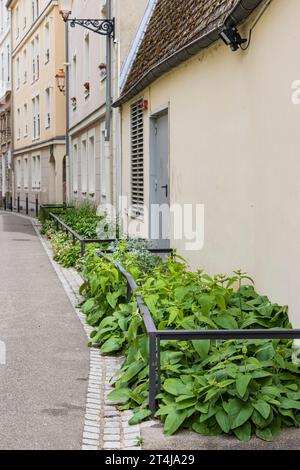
[
  {"x": 108, "y": 78},
  {"x": 11, "y": 177},
  {"x": 67, "y": 65}
]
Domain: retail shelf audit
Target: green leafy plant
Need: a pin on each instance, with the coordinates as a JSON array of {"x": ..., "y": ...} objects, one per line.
[
  {"x": 64, "y": 251},
  {"x": 212, "y": 387},
  {"x": 83, "y": 220},
  {"x": 239, "y": 388},
  {"x": 135, "y": 252}
]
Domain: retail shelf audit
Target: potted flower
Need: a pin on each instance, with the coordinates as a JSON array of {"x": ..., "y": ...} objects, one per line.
[
  {"x": 103, "y": 70},
  {"x": 87, "y": 88},
  {"x": 74, "y": 102}
]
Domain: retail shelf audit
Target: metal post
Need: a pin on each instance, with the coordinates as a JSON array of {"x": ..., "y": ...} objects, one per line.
[
  {"x": 11, "y": 204},
  {"x": 129, "y": 293},
  {"x": 37, "y": 207},
  {"x": 158, "y": 366},
  {"x": 18, "y": 204},
  {"x": 82, "y": 248},
  {"x": 4, "y": 203},
  {"x": 152, "y": 373},
  {"x": 27, "y": 205}
]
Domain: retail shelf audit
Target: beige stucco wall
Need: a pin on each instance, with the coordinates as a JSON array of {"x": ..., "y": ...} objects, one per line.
[{"x": 234, "y": 146}]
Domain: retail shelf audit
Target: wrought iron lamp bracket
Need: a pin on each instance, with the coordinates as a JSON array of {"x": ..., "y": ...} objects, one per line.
[{"x": 105, "y": 27}]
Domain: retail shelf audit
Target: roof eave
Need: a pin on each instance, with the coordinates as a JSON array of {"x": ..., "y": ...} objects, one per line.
[{"x": 242, "y": 10}]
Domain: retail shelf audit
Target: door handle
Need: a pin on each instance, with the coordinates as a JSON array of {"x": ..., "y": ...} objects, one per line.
[{"x": 166, "y": 188}]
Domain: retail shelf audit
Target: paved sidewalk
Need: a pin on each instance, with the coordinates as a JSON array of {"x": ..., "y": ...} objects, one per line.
[{"x": 43, "y": 385}]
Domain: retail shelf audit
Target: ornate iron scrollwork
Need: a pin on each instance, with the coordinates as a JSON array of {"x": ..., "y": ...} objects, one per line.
[{"x": 104, "y": 27}]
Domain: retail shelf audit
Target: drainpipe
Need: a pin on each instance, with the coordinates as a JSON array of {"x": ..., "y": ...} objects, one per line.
[
  {"x": 68, "y": 166},
  {"x": 11, "y": 173},
  {"x": 108, "y": 78}
]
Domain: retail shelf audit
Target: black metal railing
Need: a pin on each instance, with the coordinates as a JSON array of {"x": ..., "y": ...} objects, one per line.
[
  {"x": 45, "y": 209},
  {"x": 156, "y": 336},
  {"x": 76, "y": 237}
]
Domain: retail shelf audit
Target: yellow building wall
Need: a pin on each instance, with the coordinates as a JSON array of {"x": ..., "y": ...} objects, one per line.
[{"x": 51, "y": 139}]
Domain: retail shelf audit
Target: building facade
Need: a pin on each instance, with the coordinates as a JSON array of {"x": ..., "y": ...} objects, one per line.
[
  {"x": 38, "y": 107},
  {"x": 5, "y": 107},
  {"x": 95, "y": 160},
  {"x": 223, "y": 142}
]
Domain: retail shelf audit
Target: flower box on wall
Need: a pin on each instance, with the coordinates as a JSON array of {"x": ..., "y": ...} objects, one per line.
[
  {"x": 103, "y": 70},
  {"x": 87, "y": 89},
  {"x": 74, "y": 102}
]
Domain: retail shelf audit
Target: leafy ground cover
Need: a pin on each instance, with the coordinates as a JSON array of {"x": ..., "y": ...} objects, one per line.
[
  {"x": 239, "y": 388},
  {"x": 210, "y": 387},
  {"x": 84, "y": 221}
]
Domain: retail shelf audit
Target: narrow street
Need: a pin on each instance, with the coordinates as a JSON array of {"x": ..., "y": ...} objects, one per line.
[{"x": 44, "y": 382}]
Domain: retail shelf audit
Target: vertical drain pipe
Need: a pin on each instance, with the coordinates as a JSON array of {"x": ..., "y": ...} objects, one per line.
[
  {"x": 68, "y": 156},
  {"x": 108, "y": 78}
]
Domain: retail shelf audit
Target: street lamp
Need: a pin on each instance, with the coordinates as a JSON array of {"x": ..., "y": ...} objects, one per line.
[
  {"x": 105, "y": 27},
  {"x": 61, "y": 81}
]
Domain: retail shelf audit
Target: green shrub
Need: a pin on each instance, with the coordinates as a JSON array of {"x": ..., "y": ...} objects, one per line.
[
  {"x": 211, "y": 387},
  {"x": 135, "y": 253},
  {"x": 83, "y": 220},
  {"x": 44, "y": 213},
  {"x": 64, "y": 251}
]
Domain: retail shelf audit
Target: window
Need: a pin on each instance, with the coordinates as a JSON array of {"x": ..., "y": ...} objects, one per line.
[
  {"x": 137, "y": 158},
  {"x": 47, "y": 43},
  {"x": 83, "y": 166},
  {"x": 87, "y": 64},
  {"x": 103, "y": 69},
  {"x": 47, "y": 109},
  {"x": 36, "y": 127},
  {"x": 74, "y": 75},
  {"x": 36, "y": 172},
  {"x": 103, "y": 166},
  {"x": 35, "y": 58},
  {"x": 33, "y": 61},
  {"x": 25, "y": 120},
  {"x": 2, "y": 69},
  {"x": 91, "y": 164},
  {"x": 75, "y": 167},
  {"x": 25, "y": 66},
  {"x": 8, "y": 62},
  {"x": 19, "y": 174},
  {"x": 18, "y": 123},
  {"x": 17, "y": 22},
  {"x": 35, "y": 9},
  {"x": 18, "y": 73},
  {"x": 26, "y": 173}
]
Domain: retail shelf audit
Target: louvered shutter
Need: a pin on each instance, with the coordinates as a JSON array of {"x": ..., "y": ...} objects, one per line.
[{"x": 137, "y": 158}]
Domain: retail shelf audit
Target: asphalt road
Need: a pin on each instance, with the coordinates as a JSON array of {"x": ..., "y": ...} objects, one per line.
[{"x": 43, "y": 385}]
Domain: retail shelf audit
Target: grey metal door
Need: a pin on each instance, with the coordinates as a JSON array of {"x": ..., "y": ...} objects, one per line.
[{"x": 160, "y": 182}]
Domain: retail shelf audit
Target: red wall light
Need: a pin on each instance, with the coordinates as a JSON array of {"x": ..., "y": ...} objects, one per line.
[{"x": 144, "y": 105}]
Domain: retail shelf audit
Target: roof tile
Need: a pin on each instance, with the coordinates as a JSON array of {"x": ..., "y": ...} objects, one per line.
[{"x": 174, "y": 25}]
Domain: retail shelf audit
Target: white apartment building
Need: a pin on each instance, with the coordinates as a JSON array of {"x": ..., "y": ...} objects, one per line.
[
  {"x": 5, "y": 105},
  {"x": 94, "y": 161}
]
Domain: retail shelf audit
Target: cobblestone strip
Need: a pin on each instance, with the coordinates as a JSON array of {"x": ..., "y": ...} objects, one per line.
[{"x": 105, "y": 426}]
